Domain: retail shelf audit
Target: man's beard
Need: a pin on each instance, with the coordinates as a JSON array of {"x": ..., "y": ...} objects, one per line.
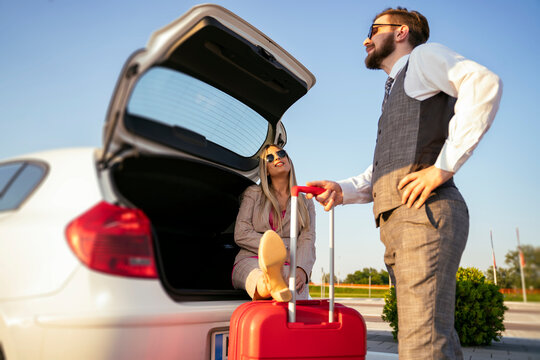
[{"x": 375, "y": 59}]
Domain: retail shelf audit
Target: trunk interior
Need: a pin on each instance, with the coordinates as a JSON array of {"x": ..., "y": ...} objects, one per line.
[{"x": 193, "y": 208}]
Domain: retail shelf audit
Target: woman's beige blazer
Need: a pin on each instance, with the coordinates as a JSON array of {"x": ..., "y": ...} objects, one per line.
[{"x": 250, "y": 226}]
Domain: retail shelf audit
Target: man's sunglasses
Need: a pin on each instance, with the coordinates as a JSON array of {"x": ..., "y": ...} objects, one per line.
[
  {"x": 281, "y": 154},
  {"x": 374, "y": 28}
]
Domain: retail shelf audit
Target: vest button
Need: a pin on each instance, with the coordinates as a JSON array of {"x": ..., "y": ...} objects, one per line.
[
  {"x": 376, "y": 163},
  {"x": 374, "y": 194}
]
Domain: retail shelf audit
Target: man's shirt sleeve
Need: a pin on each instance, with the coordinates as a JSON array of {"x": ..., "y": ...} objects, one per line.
[
  {"x": 434, "y": 68},
  {"x": 358, "y": 189}
]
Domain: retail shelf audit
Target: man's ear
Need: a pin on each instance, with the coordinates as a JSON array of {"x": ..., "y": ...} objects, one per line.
[{"x": 402, "y": 34}]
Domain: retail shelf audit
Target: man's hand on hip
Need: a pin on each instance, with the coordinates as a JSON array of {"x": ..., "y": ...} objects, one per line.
[
  {"x": 422, "y": 183},
  {"x": 331, "y": 197}
]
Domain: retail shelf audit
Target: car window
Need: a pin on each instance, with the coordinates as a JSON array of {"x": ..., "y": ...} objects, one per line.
[
  {"x": 7, "y": 173},
  {"x": 177, "y": 99},
  {"x": 17, "y": 181}
]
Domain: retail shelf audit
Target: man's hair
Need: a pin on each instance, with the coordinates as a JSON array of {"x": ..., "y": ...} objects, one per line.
[{"x": 417, "y": 23}]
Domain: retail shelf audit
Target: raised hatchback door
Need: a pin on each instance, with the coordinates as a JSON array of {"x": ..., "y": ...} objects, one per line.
[{"x": 209, "y": 86}]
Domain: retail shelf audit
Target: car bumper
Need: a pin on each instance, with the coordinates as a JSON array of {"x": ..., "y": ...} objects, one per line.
[{"x": 97, "y": 316}]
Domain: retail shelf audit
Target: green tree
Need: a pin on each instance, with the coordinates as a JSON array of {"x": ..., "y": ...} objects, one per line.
[
  {"x": 531, "y": 269},
  {"x": 355, "y": 278},
  {"x": 362, "y": 277},
  {"x": 505, "y": 279},
  {"x": 380, "y": 278},
  {"x": 510, "y": 277}
]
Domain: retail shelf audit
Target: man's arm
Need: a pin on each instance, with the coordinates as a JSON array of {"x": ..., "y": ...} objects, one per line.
[
  {"x": 354, "y": 190},
  {"x": 434, "y": 68}
]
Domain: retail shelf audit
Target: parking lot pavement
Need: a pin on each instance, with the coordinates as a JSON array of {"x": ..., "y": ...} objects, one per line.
[
  {"x": 381, "y": 342},
  {"x": 380, "y": 356},
  {"x": 521, "y": 340}
]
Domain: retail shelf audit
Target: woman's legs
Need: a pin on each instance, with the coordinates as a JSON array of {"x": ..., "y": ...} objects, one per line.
[
  {"x": 246, "y": 275},
  {"x": 263, "y": 277},
  {"x": 272, "y": 256}
]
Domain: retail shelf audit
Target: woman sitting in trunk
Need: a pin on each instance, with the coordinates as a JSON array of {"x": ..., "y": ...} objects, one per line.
[{"x": 263, "y": 228}]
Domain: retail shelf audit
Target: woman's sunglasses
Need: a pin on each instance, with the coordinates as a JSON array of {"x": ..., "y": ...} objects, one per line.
[{"x": 281, "y": 154}]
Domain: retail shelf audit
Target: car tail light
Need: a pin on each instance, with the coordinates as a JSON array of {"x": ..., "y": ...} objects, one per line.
[{"x": 115, "y": 240}]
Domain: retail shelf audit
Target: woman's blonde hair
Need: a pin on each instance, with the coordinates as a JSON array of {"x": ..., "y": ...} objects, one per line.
[{"x": 270, "y": 198}]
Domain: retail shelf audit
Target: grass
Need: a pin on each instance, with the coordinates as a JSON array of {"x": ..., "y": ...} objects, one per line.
[
  {"x": 519, "y": 297},
  {"x": 315, "y": 292}
]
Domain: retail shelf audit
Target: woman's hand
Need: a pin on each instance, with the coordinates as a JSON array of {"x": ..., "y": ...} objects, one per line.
[{"x": 301, "y": 279}]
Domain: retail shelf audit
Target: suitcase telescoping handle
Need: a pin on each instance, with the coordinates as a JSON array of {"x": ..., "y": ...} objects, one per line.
[{"x": 294, "y": 233}]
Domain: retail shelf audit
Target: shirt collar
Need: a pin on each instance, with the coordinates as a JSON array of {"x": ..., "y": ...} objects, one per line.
[{"x": 398, "y": 66}]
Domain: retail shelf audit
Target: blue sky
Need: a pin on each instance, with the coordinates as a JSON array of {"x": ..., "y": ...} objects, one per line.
[{"x": 60, "y": 61}]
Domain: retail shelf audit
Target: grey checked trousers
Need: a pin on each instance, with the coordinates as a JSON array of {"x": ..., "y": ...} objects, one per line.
[{"x": 423, "y": 252}]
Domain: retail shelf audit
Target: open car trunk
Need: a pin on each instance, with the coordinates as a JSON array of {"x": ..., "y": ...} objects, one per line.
[
  {"x": 192, "y": 207},
  {"x": 187, "y": 122}
]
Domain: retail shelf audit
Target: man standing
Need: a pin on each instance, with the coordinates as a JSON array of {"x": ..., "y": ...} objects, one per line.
[{"x": 436, "y": 108}]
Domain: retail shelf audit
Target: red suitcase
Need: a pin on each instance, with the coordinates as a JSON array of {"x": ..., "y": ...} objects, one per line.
[{"x": 309, "y": 329}]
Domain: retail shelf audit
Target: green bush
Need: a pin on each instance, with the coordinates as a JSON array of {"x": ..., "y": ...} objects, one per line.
[
  {"x": 479, "y": 309},
  {"x": 389, "y": 312},
  {"x": 470, "y": 274}
]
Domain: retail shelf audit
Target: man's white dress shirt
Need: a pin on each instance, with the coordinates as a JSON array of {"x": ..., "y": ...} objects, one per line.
[{"x": 434, "y": 68}]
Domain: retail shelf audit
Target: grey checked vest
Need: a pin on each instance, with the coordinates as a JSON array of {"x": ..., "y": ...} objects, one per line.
[{"x": 410, "y": 136}]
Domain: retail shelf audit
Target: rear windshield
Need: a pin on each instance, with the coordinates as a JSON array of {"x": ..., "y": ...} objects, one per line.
[{"x": 176, "y": 99}]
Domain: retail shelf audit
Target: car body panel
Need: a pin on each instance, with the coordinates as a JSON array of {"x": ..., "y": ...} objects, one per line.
[{"x": 44, "y": 269}]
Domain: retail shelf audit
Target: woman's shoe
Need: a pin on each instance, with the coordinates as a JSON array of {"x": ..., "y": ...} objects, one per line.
[
  {"x": 272, "y": 256},
  {"x": 262, "y": 290}
]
